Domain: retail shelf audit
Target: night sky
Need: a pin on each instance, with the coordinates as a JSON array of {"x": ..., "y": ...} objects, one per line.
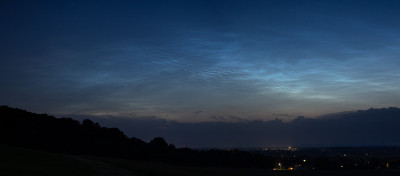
[{"x": 199, "y": 61}]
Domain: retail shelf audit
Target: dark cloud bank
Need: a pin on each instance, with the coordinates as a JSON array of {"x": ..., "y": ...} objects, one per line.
[{"x": 372, "y": 127}]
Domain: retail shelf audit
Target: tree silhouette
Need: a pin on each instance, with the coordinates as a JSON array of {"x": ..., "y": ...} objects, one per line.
[{"x": 159, "y": 142}]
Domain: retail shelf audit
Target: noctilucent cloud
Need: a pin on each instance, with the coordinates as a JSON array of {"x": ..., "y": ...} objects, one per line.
[{"x": 196, "y": 61}]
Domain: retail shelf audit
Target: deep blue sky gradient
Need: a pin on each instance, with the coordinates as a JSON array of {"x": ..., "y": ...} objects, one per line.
[{"x": 195, "y": 61}]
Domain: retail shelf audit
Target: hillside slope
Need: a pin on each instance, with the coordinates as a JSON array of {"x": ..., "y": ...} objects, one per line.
[{"x": 17, "y": 161}]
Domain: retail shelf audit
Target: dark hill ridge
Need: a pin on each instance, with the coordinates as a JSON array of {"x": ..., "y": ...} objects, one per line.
[
  {"x": 41, "y": 131},
  {"x": 372, "y": 127},
  {"x": 65, "y": 135}
]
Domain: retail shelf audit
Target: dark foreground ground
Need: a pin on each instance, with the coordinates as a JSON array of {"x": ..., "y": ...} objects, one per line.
[{"x": 24, "y": 162}]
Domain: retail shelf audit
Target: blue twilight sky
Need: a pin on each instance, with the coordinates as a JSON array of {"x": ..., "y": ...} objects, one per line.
[{"x": 194, "y": 61}]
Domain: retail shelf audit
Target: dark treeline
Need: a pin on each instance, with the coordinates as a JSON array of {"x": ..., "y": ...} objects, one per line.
[{"x": 65, "y": 135}]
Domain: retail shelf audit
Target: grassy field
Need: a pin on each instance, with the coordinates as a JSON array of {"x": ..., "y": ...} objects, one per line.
[
  {"x": 25, "y": 162},
  {"x": 16, "y": 161},
  {"x": 162, "y": 169}
]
